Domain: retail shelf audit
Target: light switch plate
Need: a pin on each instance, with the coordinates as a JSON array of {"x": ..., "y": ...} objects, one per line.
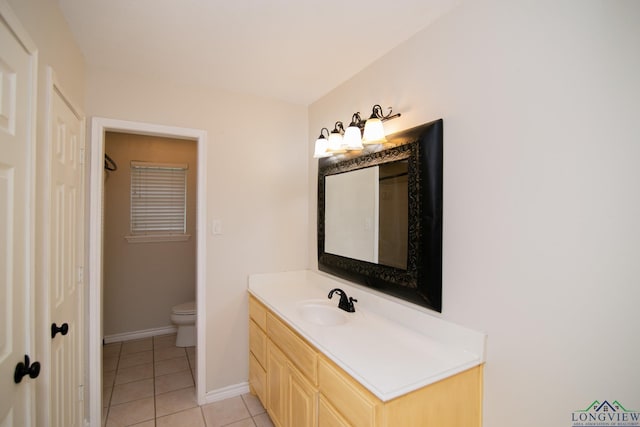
[{"x": 216, "y": 227}]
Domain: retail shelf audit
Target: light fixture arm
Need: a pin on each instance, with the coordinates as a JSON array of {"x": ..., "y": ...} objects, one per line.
[
  {"x": 322, "y": 133},
  {"x": 356, "y": 120},
  {"x": 377, "y": 113}
]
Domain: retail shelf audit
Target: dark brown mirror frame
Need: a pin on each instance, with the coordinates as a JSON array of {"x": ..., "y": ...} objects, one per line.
[{"x": 421, "y": 282}]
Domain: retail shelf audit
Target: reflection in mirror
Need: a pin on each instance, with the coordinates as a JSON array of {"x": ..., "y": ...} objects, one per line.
[
  {"x": 380, "y": 216},
  {"x": 394, "y": 214},
  {"x": 366, "y": 214}
]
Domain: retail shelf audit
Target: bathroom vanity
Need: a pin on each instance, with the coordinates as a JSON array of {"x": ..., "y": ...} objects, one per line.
[{"x": 388, "y": 364}]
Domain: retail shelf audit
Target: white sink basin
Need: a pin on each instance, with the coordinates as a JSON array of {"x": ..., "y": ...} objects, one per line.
[{"x": 322, "y": 313}]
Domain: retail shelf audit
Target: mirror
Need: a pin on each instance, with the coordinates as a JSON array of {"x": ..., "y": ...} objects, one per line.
[
  {"x": 380, "y": 216},
  {"x": 366, "y": 214}
]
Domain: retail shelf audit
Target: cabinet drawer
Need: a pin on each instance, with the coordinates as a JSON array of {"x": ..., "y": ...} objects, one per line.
[
  {"x": 303, "y": 356},
  {"x": 258, "y": 379},
  {"x": 357, "y": 405},
  {"x": 257, "y": 343},
  {"x": 328, "y": 417},
  {"x": 258, "y": 313}
]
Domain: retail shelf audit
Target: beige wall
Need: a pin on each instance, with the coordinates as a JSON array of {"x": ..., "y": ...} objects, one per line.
[
  {"x": 46, "y": 25},
  {"x": 540, "y": 102},
  {"x": 142, "y": 281},
  {"x": 256, "y": 186}
]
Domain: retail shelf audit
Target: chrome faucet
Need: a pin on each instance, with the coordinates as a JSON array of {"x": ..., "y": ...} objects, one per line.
[{"x": 346, "y": 303}]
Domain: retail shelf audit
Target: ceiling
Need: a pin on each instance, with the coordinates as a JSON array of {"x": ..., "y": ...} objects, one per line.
[{"x": 292, "y": 50}]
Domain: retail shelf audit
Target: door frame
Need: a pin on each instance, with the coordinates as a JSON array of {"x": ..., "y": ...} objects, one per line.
[{"x": 99, "y": 126}]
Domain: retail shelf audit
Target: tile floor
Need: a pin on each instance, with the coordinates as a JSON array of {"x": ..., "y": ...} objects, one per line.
[{"x": 150, "y": 382}]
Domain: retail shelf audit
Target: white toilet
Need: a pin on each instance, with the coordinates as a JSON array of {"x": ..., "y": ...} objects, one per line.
[{"x": 184, "y": 316}]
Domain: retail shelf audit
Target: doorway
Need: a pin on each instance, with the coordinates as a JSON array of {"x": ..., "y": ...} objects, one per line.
[
  {"x": 149, "y": 241},
  {"x": 99, "y": 127}
]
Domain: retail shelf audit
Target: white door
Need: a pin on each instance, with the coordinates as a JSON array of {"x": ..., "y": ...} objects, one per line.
[
  {"x": 18, "y": 65},
  {"x": 66, "y": 254}
]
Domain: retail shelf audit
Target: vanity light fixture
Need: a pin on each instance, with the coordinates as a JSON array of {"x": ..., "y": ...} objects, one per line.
[
  {"x": 353, "y": 134},
  {"x": 322, "y": 145},
  {"x": 357, "y": 133},
  {"x": 336, "y": 142},
  {"x": 373, "y": 129}
]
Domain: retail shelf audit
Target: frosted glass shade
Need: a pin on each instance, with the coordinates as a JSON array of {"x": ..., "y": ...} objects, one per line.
[
  {"x": 373, "y": 132},
  {"x": 352, "y": 138},
  {"x": 335, "y": 143},
  {"x": 321, "y": 148}
]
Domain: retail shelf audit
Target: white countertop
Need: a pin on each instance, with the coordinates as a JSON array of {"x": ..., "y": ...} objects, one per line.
[{"x": 389, "y": 346}]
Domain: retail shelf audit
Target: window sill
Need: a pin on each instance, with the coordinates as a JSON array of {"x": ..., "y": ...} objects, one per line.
[{"x": 157, "y": 238}]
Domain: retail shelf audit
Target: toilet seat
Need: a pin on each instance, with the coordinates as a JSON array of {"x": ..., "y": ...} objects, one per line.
[{"x": 186, "y": 308}]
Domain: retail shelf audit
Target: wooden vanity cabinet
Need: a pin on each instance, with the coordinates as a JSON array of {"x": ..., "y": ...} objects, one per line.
[
  {"x": 452, "y": 402},
  {"x": 290, "y": 371},
  {"x": 300, "y": 387},
  {"x": 291, "y": 398}
]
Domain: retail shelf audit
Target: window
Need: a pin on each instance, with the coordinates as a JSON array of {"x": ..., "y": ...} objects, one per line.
[{"x": 158, "y": 202}]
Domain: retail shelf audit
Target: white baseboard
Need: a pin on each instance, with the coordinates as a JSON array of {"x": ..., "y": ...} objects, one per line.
[
  {"x": 227, "y": 392},
  {"x": 136, "y": 335}
]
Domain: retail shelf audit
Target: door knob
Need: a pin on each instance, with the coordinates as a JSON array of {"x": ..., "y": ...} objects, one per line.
[
  {"x": 26, "y": 368},
  {"x": 64, "y": 329}
]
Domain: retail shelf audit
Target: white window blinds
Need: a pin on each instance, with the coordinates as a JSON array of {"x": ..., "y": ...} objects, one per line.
[{"x": 158, "y": 198}]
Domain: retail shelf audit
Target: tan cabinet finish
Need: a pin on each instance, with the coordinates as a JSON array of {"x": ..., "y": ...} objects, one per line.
[
  {"x": 258, "y": 313},
  {"x": 328, "y": 416},
  {"x": 453, "y": 402},
  {"x": 277, "y": 381},
  {"x": 300, "y": 387},
  {"x": 301, "y": 354},
  {"x": 258, "y": 350},
  {"x": 303, "y": 400},
  {"x": 354, "y": 402},
  {"x": 257, "y": 342}
]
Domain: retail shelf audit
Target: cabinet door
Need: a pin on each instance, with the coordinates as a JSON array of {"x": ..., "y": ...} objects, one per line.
[
  {"x": 328, "y": 416},
  {"x": 277, "y": 378},
  {"x": 303, "y": 400}
]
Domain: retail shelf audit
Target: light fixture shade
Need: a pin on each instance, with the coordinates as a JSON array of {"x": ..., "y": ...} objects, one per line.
[
  {"x": 373, "y": 132},
  {"x": 335, "y": 143},
  {"x": 352, "y": 138},
  {"x": 321, "y": 148}
]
